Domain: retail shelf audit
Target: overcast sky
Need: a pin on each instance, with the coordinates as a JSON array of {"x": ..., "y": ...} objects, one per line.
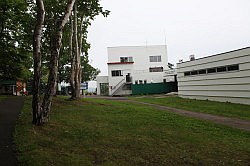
[{"x": 199, "y": 27}]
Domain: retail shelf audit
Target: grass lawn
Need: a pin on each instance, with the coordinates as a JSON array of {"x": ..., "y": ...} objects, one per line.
[
  {"x": 2, "y": 97},
  {"x": 240, "y": 111},
  {"x": 100, "y": 132}
]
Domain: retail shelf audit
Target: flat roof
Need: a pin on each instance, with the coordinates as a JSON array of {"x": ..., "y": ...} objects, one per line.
[
  {"x": 216, "y": 54},
  {"x": 139, "y": 46}
]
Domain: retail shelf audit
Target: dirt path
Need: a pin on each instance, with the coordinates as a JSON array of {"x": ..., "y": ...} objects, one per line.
[
  {"x": 9, "y": 110},
  {"x": 231, "y": 122}
]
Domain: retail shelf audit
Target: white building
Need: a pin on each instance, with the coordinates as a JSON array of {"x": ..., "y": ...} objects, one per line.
[
  {"x": 102, "y": 85},
  {"x": 221, "y": 77},
  {"x": 132, "y": 66}
]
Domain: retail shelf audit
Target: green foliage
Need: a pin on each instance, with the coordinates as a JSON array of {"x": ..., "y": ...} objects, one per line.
[
  {"x": 15, "y": 39},
  {"x": 87, "y": 11},
  {"x": 88, "y": 72},
  {"x": 101, "y": 132},
  {"x": 17, "y": 20}
]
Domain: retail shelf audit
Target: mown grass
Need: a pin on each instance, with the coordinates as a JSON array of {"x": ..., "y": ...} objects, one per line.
[
  {"x": 2, "y": 97},
  {"x": 100, "y": 132},
  {"x": 226, "y": 109}
]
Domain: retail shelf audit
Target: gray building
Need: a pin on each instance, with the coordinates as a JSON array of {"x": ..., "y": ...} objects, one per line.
[{"x": 222, "y": 77}]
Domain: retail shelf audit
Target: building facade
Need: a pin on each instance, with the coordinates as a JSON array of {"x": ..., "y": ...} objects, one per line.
[
  {"x": 13, "y": 87},
  {"x": 130, "y": 68},
  {"x": 102, "y": 85},
  {"x": 223, "y": 77},
  {"x": 129, "y": 65}
]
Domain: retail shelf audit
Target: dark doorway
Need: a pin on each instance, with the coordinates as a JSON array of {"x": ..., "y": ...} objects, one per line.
[
  {"x": 128, "y": 78},
  {"x": 104, "y": 89}
]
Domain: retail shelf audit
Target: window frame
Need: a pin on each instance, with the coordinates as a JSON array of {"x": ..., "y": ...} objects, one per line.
[
  {"x": 155, "y": 58},
  {"x": 156, "y": 69},
  {"x": 202, "y": 71},
  {"x": 234, "y": 67},
  {"x": 116, "y": 73},
  {"x": 212, "y": 70},
  {"x": 126, "y": 59},
  {"x": 221, "y": 69}
]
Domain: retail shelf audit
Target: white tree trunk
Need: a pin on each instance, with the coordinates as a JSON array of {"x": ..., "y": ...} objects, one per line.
[
  {"x": 55, "y": 49},
  {"x": 77, "y": 54},
  {"x": 37, "y": 61}
]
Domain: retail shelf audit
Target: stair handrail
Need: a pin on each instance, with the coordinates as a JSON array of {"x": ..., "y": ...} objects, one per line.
[{"x": 113, "y": 90}]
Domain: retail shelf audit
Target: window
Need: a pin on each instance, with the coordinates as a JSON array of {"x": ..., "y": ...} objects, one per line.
[
  {"x": 145, "y": 81},
  {"x": 156, "y": 69},
  {"x": 136, "y": 81},
  {"x": 187, "y": 73},
  {"x": 140, "y": 82},
  {"x": 126, "y": 59},
  {"x": 155, "y": 58},
  {"x": 116, "y": 73},
  {"x": 195, "y": 72},
  {"x": 130, "y": 59},
  {"x": 204, "y": 71},
  {"x": 211, "y": 70},
  {"x": 221, "y": 69},
  {"x": 233, "y": 67}
]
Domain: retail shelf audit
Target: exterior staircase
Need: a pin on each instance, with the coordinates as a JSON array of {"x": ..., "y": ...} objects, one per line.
[{"x": 122, "y": 88}]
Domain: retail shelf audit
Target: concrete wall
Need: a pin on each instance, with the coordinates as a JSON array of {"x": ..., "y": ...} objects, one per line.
[
  {"x": 99, "y": 80},
  {"x": 139, "y": 68},
  {"x": 232, "y": 86},
  {"x": 140, "y": 54}
]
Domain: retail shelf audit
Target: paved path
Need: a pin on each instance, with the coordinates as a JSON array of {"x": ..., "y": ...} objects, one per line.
[{"x": 9, "y": 110}]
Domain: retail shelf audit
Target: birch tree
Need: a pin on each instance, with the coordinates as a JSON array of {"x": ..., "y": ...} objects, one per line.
[
  {"x": 41, "y": 113},
  {"x": 37, "y": 61},
  {"x": 83, "y": 17},
  {"x": 56, "y": 21}
]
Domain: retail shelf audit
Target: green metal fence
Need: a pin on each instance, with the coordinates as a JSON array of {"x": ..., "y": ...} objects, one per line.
[{"x": 154, "y": 88}]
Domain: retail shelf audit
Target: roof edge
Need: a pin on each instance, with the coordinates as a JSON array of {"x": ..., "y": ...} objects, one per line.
[{"x": 217, "y": 54}]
